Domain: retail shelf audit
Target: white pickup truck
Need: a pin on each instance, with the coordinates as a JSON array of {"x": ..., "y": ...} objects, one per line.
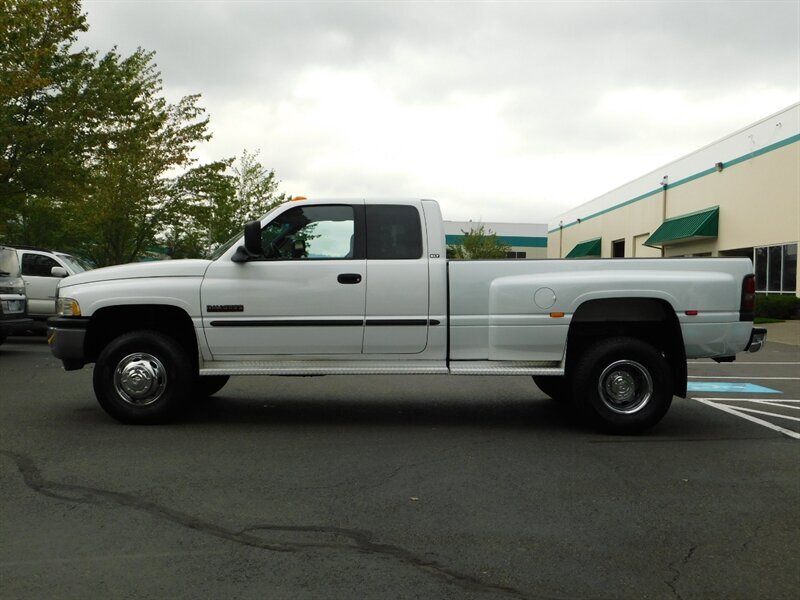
[{"x": 355, "y": 287}]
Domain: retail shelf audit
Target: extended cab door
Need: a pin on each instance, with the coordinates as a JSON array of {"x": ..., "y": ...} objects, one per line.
[
  {"x": 306, "y": 294},
  {"x": 398, "y": 281}
]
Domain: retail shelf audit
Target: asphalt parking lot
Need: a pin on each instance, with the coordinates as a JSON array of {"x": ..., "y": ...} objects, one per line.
[{"x": 391, "y": 487}]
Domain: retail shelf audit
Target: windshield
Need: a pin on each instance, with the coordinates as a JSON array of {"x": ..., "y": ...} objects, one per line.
[
  {"x": 224, "y": 247},
  {"x": 9, "y": 264},
  {"x": 236, "y": 236},
  {"x": 76, "y": 265}
]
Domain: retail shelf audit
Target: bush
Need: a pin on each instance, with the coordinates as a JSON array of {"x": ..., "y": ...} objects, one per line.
[{"x": 777, "y": 306}]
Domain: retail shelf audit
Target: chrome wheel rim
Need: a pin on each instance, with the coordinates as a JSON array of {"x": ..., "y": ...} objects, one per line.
[
  {"x": 140, "y": 379},
  {"x": 625, "y": 387}
]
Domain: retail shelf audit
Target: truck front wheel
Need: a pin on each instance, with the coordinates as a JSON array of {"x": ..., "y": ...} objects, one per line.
[
  {"x": 142, "y": 378},
  {"x": 623, "y": 384}
]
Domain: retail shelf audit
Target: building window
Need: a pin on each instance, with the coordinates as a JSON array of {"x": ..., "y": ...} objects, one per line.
[
  {"x": 776, "y": 268},
  {"x": 516, "y": 254},
  {"x": 618, "y": 249},
  {"x": 789, "y": 268}
]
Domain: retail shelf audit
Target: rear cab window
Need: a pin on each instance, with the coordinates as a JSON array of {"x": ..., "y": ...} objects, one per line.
[{"x": 394, "y": 232}]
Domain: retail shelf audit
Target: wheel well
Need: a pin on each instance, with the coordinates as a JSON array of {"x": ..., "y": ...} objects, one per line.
[
  {"x": 109, "y": 323},
  {"x": 648, "y": 319}
]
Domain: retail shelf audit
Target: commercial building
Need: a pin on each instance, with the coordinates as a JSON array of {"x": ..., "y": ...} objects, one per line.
[
  {"x": 527, "y": 240},
  {"x": 739, "y": 196}
]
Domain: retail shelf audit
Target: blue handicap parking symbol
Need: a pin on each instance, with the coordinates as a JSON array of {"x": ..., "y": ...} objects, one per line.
[{"x": 728, "y": 387}]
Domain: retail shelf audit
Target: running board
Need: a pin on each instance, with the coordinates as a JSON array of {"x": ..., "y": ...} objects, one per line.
[
  {"x": 325, "y": 367},
  {"x": 380, "y": 367},
  {"x": 505, "y": 367}
]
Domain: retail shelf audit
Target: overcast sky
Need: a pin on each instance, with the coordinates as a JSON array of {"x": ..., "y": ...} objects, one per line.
[{"x": 503, "y": 111}]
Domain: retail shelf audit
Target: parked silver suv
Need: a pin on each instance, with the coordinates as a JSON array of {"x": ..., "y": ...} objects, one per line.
[
  {"x": 13, "y": 304},
  {"x": 41, "y": 272}
]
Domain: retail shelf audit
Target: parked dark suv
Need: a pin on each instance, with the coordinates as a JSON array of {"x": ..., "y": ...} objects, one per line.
[{"x": 13, "y": 304}]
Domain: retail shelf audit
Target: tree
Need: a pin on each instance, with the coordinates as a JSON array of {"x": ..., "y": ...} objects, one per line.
[
  {"x": 187, "y": 226},
  {"x": 255, "y": 194},
  {"x": 476, "y": 243},
  {"x": 93, "y": 159},
  {"x": 138, "y": 141},
  {"x": 213, "y": 202},
  {"x": 40, "y": 128}
]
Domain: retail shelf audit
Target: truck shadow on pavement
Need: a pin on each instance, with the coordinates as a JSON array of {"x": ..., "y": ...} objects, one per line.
[{"x": 541, "y": 414}]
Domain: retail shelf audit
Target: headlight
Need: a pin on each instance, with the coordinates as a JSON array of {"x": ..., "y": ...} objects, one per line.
[{"x": 68, "y": 307}]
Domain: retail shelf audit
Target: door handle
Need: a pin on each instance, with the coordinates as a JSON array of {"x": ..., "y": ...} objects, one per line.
[{"x": 349, "y": 278}]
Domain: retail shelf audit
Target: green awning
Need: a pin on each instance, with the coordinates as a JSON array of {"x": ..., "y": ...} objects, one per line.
[
  {"x": 587, "y": 249},
  {"x": 700, "y": 225}
]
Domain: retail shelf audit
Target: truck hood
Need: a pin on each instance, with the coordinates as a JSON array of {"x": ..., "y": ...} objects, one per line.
[{"x": 144, "y": 270}]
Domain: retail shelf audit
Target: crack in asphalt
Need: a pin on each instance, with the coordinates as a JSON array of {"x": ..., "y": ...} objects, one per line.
[
  {"x": 351, "y": 539},
  {"x": 672, "y": 583},
  {"x": 751, "y": 538}
]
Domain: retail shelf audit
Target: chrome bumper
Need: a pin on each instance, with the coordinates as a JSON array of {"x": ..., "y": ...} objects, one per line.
[{"x": 758, "y": 338}]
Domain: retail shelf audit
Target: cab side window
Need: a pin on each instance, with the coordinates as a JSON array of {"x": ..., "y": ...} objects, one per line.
[
  {"x": 37, "y": 265},
  {"x": 310, "y": 233},
  {"x": 393, "y": 232}
]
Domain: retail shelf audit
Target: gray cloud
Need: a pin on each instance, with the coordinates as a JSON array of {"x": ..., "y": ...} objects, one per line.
[
  {"x": 471, "y": 46},
  {"x": 545, "y": 68}
]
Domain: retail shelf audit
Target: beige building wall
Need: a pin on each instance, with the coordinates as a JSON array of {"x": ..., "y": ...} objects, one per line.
[
  {"x": 758, "y": 199},
  {"x": 642, "y": 251},
  {"x": 628, "y": 222},
  {"x": 757, "y": 191}
]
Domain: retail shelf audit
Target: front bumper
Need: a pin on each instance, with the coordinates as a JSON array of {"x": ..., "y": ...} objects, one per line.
[
  {"x": 758, "y": 337},
  {"x": 66, "y": 337},
  {"x": 11, "y": 325}
]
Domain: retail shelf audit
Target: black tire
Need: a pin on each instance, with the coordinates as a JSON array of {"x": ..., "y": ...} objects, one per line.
[
  {"x": 143, "y": 378},
  {"x": 208, "y": 385},
  {"x": 556, "y": 387},
  {"x": 623, "y": 384}
]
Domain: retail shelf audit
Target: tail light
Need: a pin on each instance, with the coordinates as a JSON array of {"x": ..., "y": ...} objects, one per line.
[{"x": 747, "y": 308}]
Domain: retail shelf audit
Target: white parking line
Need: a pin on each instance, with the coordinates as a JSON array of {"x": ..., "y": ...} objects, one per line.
[
  {"x": 769, "y": 414},
  {"x": 778, "y": 403},
  {"x": 738, "y": 412},
  {"x": 758, "y": 400},
  {"x": 730, "y": 377},
  {"x": 737, "y": 364}
]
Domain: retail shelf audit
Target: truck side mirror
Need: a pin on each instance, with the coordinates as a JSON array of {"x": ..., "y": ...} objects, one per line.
[
  {"x": 252, "y": 243},
  {"x": 58, "y": 272}
]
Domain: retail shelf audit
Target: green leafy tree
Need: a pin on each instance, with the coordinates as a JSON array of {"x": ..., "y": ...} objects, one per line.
[
  {"x": 196, "y": 193},
  {"x": 213, "y": 202},
  {"x": 92, "y": 157},
  {"x": 138, "y": 140},
  {"x": 41, "y": 132},
  {"x": 255, "y": 194},
  {"x": 477, "y": 243}
]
